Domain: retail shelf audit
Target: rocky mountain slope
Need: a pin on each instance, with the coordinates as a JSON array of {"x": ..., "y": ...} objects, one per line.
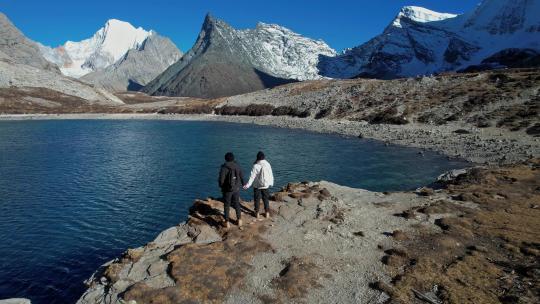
[
  {"x": 280, "y": 52},
  {"x": 20, "y": 49},
  {"x": 29, "y": 82},
  {"x": 27, "y": 87},
  {"x": 507, "y": 99},
  {"x": 138, "y": 66},
  {"x": 421, "y": 42},
  {"x": 225, "y": 61}
]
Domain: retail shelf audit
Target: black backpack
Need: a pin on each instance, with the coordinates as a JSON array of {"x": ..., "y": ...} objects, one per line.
[{"x": 232, "y": 179}]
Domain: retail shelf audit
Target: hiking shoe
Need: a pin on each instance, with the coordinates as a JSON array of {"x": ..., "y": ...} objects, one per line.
[
  {"x": 240, "y": 223},
  {"x": 267, "y": 215},
  {"x": 227, "y": 225}
]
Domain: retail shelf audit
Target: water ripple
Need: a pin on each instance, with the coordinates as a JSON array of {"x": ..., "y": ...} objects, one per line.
[{"x": 75, "y": 194}]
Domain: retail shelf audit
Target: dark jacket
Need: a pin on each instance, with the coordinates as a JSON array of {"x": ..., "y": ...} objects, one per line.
[{"x": 231, "y": 177}]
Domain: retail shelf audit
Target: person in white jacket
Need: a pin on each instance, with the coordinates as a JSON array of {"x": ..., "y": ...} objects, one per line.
[{"x": 261, "y": 178}]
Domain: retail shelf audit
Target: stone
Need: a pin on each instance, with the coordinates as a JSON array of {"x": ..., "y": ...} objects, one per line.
[
  {"x": 138, "y": 269},
  {"x": 167, "y": 235},
  {"x": 325, "y": 193},
  {"x": 173, "y": 236},
  {"x": 207, "y": 235},
  {"x": 424, "y": 191},
  {"x": 161, "y": 281},
  {"x": 94, "y": 294},
  {"x": 121, "y": 286},
  {"x": 478, "y": 248},
  {"x": 279, "y": 196},
  {"x": 462, "y": 131},
  {"x": 134, "y": 254},
  {"x": 158, "y": 268},
  {"x": 451, "y": 175}
]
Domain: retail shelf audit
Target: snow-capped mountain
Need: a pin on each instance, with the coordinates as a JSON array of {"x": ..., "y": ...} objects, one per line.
[
  {"x": 246, "y": 60},
  {"x": 137, "y": 66},
  {"x": 283, "y": 53},
  {"x": 104, "y": 48},
  {"x": 419, "y": 41},
  {"x": 501, "y": 17},
  {"x": 419, "y": 14},
  {"x": 220, "y": 63},
  {"x": 23, "y": 66}
]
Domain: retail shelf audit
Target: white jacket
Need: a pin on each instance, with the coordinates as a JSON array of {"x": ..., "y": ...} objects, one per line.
[{"x": 261, "y": 175}]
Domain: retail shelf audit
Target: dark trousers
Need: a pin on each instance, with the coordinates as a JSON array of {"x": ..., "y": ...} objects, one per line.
[
  {"x": 257, "y": 195},
  {"x": 234, "y": 198}
]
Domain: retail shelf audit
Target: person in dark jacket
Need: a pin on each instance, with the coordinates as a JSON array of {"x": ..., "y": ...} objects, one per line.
[{"x": 231, "y": 180}]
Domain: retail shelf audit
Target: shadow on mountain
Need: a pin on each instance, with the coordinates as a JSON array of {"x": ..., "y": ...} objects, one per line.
[
  {"x": 507, "y": 58},
  {"x": 217, "y": 74},
  {"x": 326, "y": 66},
  {"x": 134, "y": 86},
  {"x": 270, "y": 81},
  {"x": 381, "y": 66}
]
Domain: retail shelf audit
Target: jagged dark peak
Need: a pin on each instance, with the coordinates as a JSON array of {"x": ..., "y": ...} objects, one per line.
[
  {"x": 255, "y": 56},
  {"x": 209, "y": 19},
  {"x": 212, "y": 31},
  {"x": 211, "y": 22}
]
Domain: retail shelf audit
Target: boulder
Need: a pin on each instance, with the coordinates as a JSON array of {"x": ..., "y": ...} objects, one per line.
[
  {"x": 207, "y": 235},
  {"x": 451, "y": 175},
  {"x": 173, "y": 236}
]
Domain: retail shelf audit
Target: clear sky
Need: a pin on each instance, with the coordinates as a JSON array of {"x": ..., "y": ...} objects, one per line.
[{"x": 341, "y": 24}]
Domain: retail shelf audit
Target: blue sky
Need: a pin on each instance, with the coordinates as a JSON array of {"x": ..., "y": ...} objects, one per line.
[{"x": 341, "y": 24}]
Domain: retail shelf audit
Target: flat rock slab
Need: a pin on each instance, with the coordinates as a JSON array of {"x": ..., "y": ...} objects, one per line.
[{"x": 306, "y": 252}]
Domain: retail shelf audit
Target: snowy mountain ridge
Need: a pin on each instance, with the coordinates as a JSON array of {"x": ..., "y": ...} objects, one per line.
[
  {"x": 104, "y": 48},
  {"x": 420, "y": 14},
  {"x": 420, "y": 42},
  {"x": 283, "y": 53},
  {"x": 137, "y": 66},
  {"x": 499, "y": 17},
  {"x": 225, "y": 61}
]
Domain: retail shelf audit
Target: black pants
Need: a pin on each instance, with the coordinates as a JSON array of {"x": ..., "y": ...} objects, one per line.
[
  {"x": 234, "y": 198},
  {"x": 257, "y": 194}
]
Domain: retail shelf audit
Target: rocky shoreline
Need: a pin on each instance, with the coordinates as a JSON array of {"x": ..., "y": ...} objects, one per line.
[
  {"x": 478, "y": 145},
  {"x": 323, "y": 243},
  {"x": 474, "y": 240}
]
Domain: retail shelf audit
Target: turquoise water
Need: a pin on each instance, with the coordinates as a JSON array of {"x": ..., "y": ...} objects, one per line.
[{"x": 76, "y": 193}]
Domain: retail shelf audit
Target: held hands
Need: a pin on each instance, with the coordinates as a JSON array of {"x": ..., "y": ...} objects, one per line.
[{"x": 245, "y": 187}]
